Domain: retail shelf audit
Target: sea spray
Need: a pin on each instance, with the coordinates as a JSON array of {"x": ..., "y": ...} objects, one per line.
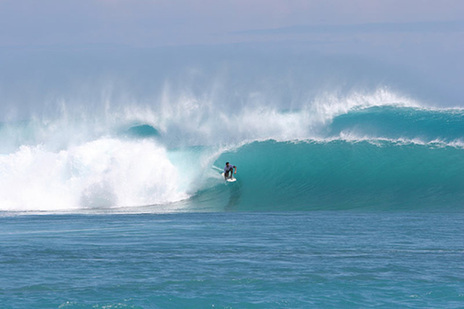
[
  {"x": 380, "y": 156},
  {"x": 146, "y": 131},
  {"x": 102, "y": 173}
]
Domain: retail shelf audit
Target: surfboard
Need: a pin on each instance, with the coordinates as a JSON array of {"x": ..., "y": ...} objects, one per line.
[{"x": 229, "y": 179}]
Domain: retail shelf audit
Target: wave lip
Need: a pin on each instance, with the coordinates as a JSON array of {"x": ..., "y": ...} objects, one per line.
[{"x": 406, "y": 123}]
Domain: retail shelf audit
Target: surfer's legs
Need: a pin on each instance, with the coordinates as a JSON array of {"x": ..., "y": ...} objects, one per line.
[{"x": 226, "y": 174}]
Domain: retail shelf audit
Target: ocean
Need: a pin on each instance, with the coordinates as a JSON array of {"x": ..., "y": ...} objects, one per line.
[
  {"x": 320, "y": 259},
  {"x": 349, "y": 190}
]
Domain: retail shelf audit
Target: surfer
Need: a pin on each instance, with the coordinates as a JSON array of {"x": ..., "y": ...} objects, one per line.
[{"x": 229, "y": 169}]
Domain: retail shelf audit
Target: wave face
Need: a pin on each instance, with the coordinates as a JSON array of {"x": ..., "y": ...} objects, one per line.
[
  {"x": 378, "y": 158},
  {"x": 299, "y": 139},
  {"x": 340, "y": 174}
]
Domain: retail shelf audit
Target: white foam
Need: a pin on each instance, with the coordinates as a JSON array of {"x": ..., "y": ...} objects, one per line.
[
  {"x": 184, "y": 119},
  {"x": 329, "y": 105},
  {"x": 379, "y": 141},
  {"x": 102, "y": 173},
  {"x": 72, "y": 163}
]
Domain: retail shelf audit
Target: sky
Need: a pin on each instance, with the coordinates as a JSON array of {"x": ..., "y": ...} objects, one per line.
[
  {"x": 146, "y": 23},
  {"x": 426, "y": 36}
]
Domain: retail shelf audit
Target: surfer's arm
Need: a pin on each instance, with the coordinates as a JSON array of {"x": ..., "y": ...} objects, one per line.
[{"x": 235, "y": 170}]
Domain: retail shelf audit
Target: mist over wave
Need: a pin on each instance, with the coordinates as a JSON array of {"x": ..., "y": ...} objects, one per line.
[{"x": 153, "y": 133}]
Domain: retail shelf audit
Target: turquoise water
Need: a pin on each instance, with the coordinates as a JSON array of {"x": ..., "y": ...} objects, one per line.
[
  {"x": 349, "y": 191},
  {"x": 362, "y": 210},
  {"x": 387, "y": 157},
  {"x": 322, "y": 259},
  {"x": 343, "y": 175}
]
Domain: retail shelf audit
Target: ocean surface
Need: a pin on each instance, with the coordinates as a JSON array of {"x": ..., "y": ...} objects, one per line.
[
  {"x": 349, "y": 190},
  {"x": 319, "y": 259}
]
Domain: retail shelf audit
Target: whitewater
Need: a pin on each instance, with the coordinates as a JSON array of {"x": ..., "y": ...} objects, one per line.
[{"x": 371, "y": 150}]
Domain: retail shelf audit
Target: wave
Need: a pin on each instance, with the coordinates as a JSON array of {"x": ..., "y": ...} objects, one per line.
[
  {"x": 340, "y": 174},
  {"x": 377, "y": 150},
  {"x": 446, "y": 125},
  {"x": 101, "y": 173}
]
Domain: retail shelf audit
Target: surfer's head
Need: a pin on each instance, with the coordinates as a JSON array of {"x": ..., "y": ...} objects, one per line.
[{"x": 227, "y": 163}]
